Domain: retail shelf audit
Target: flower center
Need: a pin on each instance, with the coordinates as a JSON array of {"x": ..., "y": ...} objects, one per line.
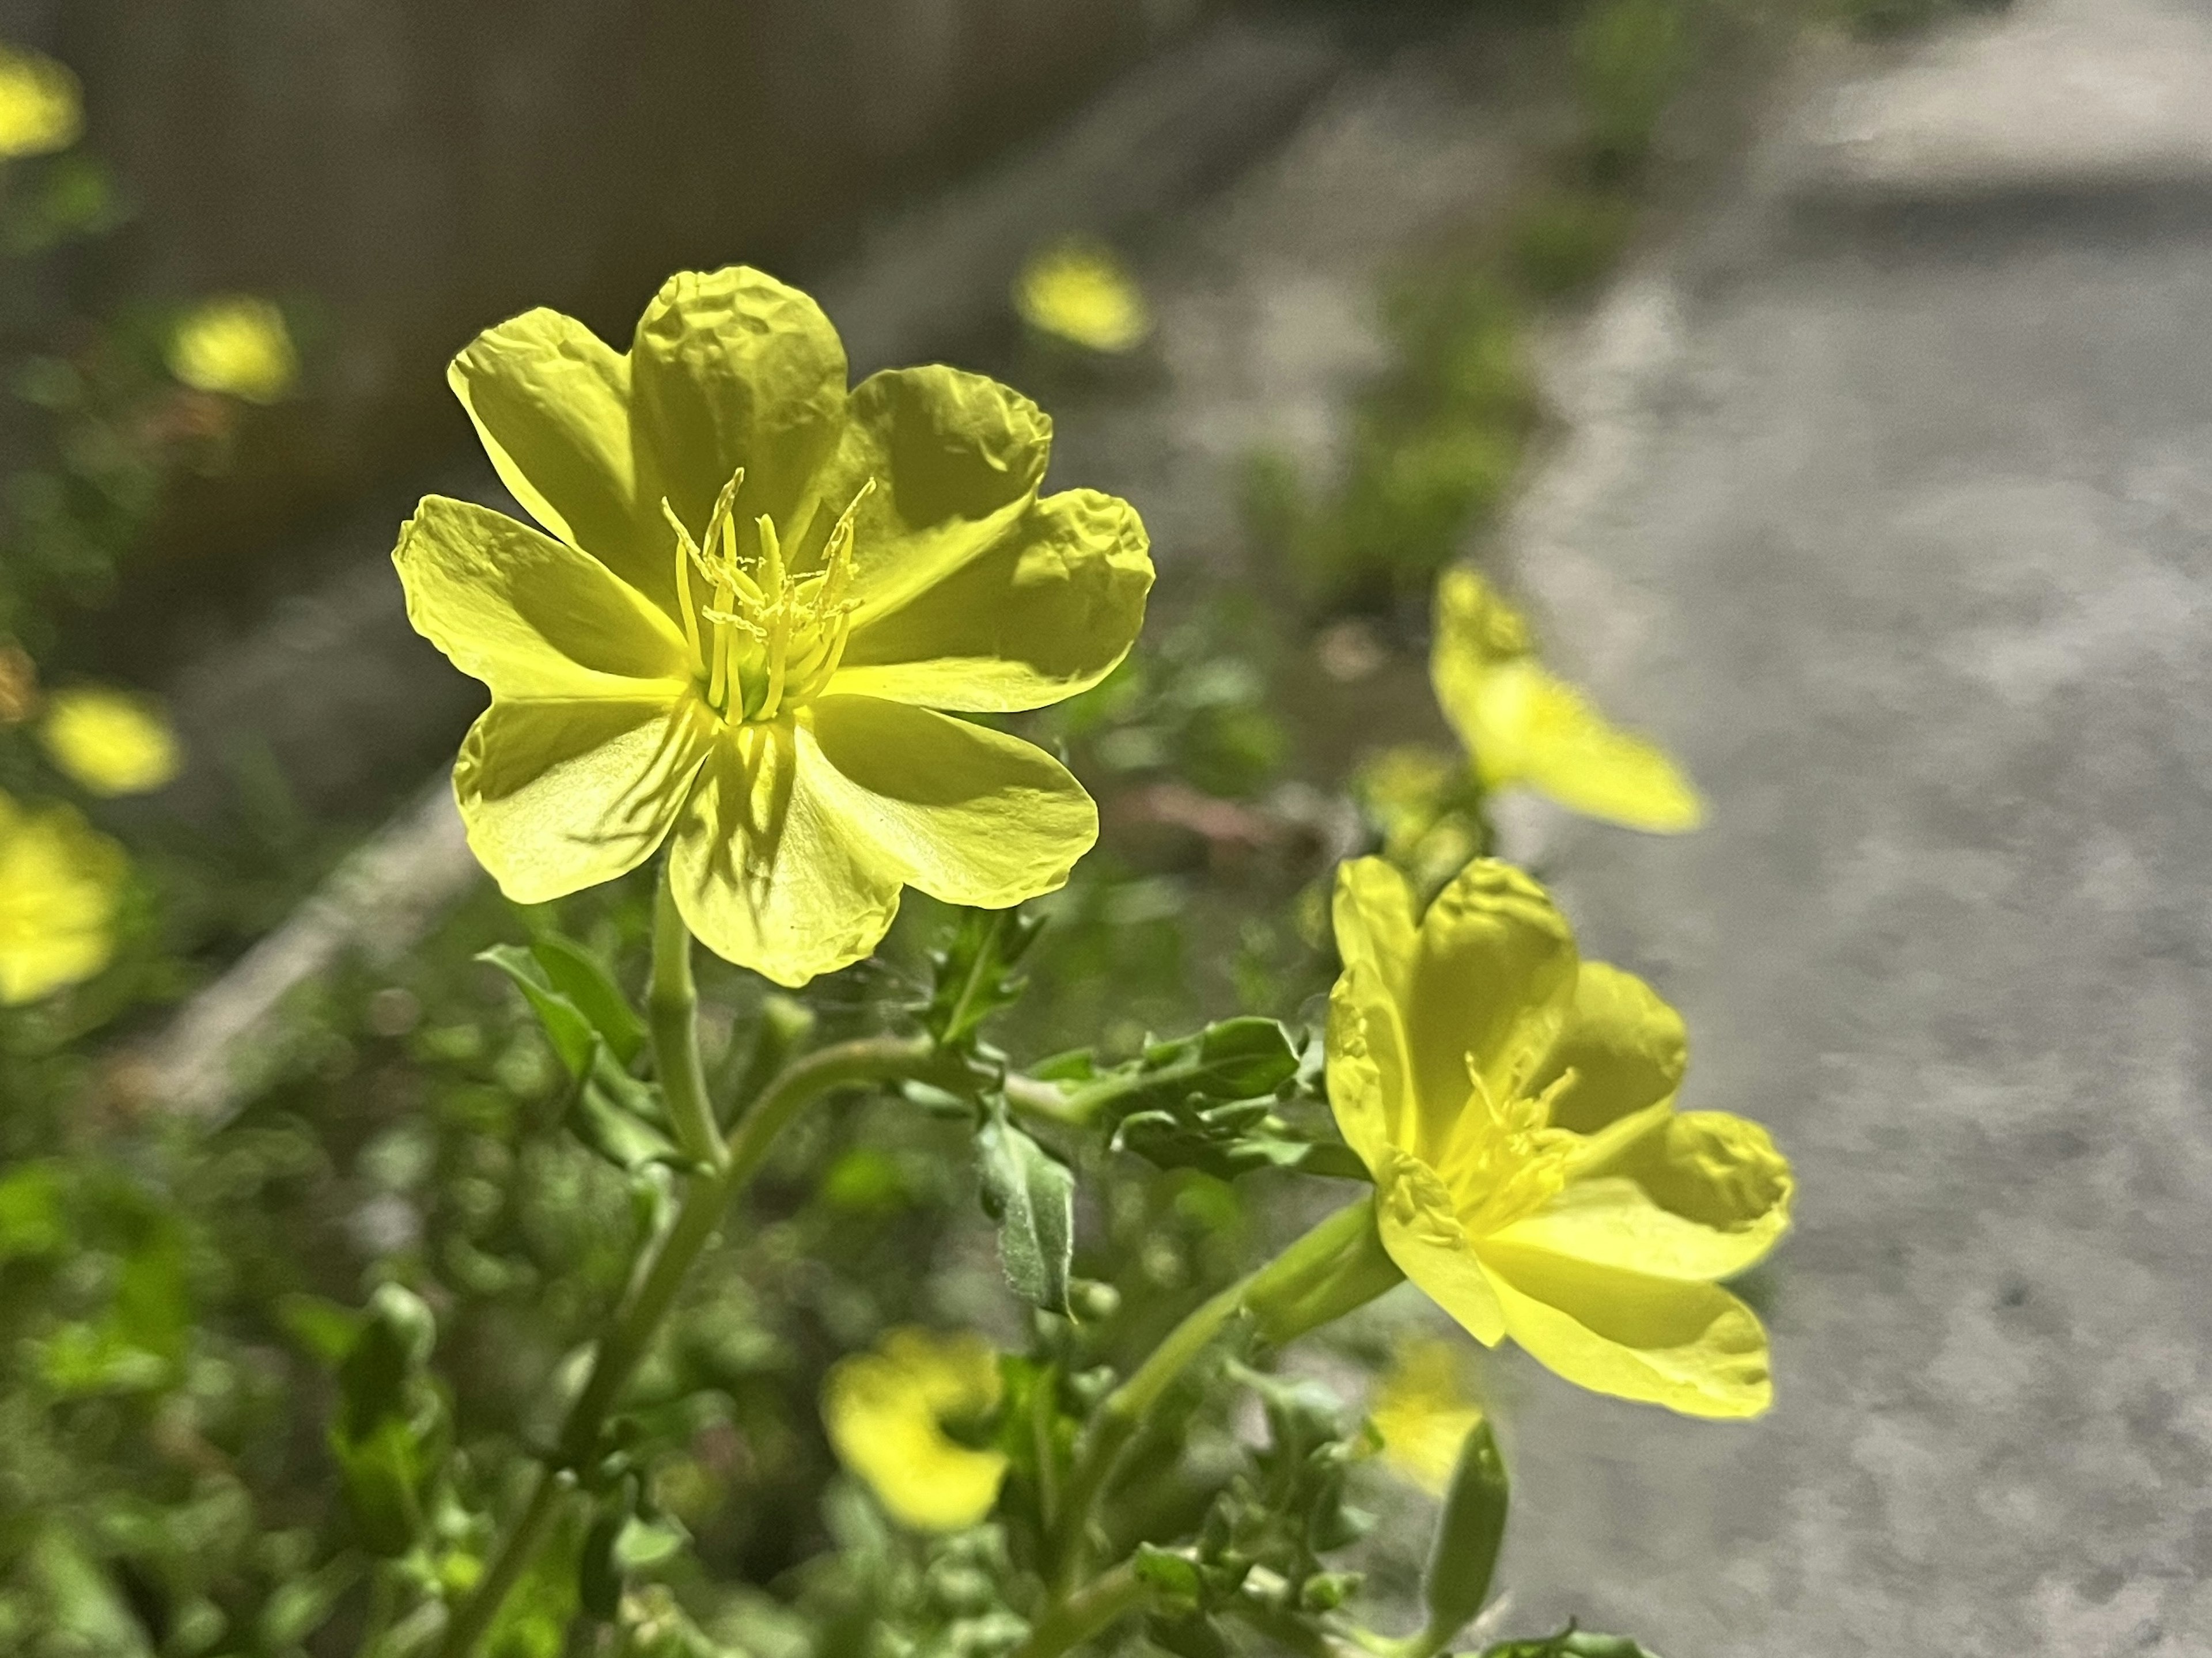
[
  {"x": 1508, "y": 1161},
  {"x": 767, "y": 637}
]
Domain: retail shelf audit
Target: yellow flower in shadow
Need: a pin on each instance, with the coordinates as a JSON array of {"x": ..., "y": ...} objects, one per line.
[
  {"x": 756, "y": 593},
  {"x": 109, "y": 741},
  {"x": 887, "y": 1413},
  {"x": 237, "y": 346},
  {"x": 61, "y": 883},
  {"x": 1423, "y": 1410},
  {"x": 1517, "y": 1108},
  {"x": 41, "y": 106},
  {"x": 1525, "y": 728},
  {"x": 1076, "y": 291}
]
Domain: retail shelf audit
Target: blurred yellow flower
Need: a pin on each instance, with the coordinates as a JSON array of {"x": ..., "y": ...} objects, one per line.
[
  {"x": 1416, "y": 798},
  {"x": 1517, "y": 1108},
  {"x": 109, "y": 741},
  {"x": 41, "y": 107},
  {"x": 887, "y": 1412},
  {"x": 1524, "y": 726},
  {"x": 237, "y": 346},
  {"x": 60, "y": 885},
  {"x": 757, "y": 591},
  {"x": 1422, "y": 1409},
  {"x": 1076, "y": 291}
]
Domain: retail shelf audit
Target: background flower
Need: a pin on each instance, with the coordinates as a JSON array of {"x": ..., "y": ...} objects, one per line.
[
  {"x": 109, "y": 741},
  {"x": 238, "y": 346},
  {"x": 60, "y": 884},
  {"x": 886, "y": 1411}
]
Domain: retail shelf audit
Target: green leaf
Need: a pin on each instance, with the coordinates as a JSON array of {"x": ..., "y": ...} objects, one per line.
[
  {"x": 973, "y": 976},
  {"x": 1571, "y": 1643},
  {"x": 389, "y": 1437},
  {"x": 1032, "y": 1195},
  {"x": 610, "y": 1119},
  {"x": 576, "y": 974},
  {"x": 1169, "y": 1573},
  {"x": 1468, "y": 1534},
  {"x": 569, "y": 1031},
  {"x": 326, "y": 1330},
  {"x": 33, "y": 1221}
]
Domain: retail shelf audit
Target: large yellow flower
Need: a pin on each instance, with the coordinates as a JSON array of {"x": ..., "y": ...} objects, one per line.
[
  {"x": 60, "y": 885},
  {"x": 757, "y": 589},
  {"x": 1515, "y": 1106},
  {"x": 886, "y": 1411},
  {"x": 1526, "y": 727}
]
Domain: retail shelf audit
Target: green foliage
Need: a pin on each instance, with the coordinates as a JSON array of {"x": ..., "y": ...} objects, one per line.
[
  {"x": 1032, "y": 1195},
  {"x": 1469, "y": 1533}
]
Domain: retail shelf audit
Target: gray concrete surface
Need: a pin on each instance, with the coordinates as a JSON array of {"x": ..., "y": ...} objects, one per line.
[{"x": 1889, "y": 506}]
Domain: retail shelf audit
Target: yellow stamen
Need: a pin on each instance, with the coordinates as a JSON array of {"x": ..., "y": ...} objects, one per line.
[{"x": 687, "y": 554}]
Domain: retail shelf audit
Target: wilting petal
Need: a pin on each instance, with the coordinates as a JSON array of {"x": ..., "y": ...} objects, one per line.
[
  {"x": 1525, "y": 725},
  {"x": 732, "y": 369},
  {"x": 1494, "y": 977},
  {"x": 1369, "y": 1089},
  {"x": 1626, "y": 1048},
  {"x": 969, "y": 815},
  {"x": 531, "y": 617},
  {"x": 1714, "y": 1170},
  {"x": 1048, "y": 612},
  {"x": 550, "y": 399},
  {"x": 1422, "y": 1233},
  {"x": 1690, "y": 1346},
  {"x": 956, "y": 459},
  {"x": 559, "y": 796},
  {"x": 1373, "y": 913},
  {"x": 1612, "y": 1221},
  {"x": 767, "y": 872}
]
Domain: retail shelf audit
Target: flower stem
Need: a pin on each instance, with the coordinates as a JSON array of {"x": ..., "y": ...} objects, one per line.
[
  {"x": 671, "y": 1007},
  {"x": 1082, "y": 1614}
]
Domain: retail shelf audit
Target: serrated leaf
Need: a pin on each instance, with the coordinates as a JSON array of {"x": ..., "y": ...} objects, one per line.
[
  {"x": 1469, "y": 1532},
  {"x": 1032, "y": 1195},
  {"x": 574, "y": 972},
  {"x": 973, "y": 975}
]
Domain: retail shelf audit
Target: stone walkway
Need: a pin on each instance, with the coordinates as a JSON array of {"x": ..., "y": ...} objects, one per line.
[{"x": 1890, "y": 508}]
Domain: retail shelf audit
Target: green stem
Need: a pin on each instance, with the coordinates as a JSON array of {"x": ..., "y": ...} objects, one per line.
[
  {"x": 516, "y": 1550},
  {"x": 671, "y": 1009},
  {"x": 1086, "y": 1612}
]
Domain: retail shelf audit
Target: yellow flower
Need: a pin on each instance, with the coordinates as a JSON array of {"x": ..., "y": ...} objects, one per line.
[
  {"x": 1423, "y": 1409},
  {"x": 41, "y": 109},
  {"x": 60, "y": 884},
  {"x": 238, "y": 346},
  {"x": 757, "y": 589},
  {"x": 1076, "y": 291},
  {"x": 109, "y": 741},
  {"x": 1524, "y": 726},
  {"x": 1515, "y": 1106},
  {"x": 887, "y": 1411}
]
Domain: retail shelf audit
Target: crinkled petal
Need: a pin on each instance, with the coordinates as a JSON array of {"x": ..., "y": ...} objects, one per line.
[
  {"x": 767, "y": 871},
  {"x": 967, "y": 814},
  {"x": 1612, "y": 1221},
  {"x": 1525, "y": 726},
  {"x": 956, "y": 459},
  {"x": 530, "y": 617},
  {"x": 1627, "y": 1048},
  {"x": 550, "y": 399},
  {"x": 1714, "y": 1170},
  {"x": 1369, "y": 1089},
  {"x": 561, "y": 796},
  {"x": 1048, "y": 612},
  {"x": 732, "y": 369},
  {"x": 1690, "y": 1346},
  {"x": 1373, "y": 912},
  {"x": 1493, "y": 978},
  {"x": 1422, "y": 1233}
]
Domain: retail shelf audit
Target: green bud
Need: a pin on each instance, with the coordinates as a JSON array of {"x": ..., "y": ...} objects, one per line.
[{"x": 1469, "y": 1534}]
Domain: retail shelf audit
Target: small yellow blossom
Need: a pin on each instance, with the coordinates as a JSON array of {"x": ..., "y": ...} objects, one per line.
[
  {"x": 41, "y": 107},
  {"x": 1423, "y": 1410},
  {"x": 237, "y": 346},
  {"x": 1526, "y": 727},
  {"x": 60, "y": 885},
  {"x": 756, "y": 591},
  {"x": 1517, "y": 1108},
  {"x": 109, "y": 741},
  {"x": 887, "y": 1412},
  {"x": 1076, "y": 291}
]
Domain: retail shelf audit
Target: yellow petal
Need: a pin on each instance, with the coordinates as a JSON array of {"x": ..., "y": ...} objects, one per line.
[
  {"x": 1525, "y": 725},
  {"x": 110, "y": 742},
  {"x": 1421, "y": 1231},
  {"x": 1373, "y": 912},
  {"x": 1048, "y": 612},
  {"x": 530, "y": 617},
  {"x": 886, "y": 1410},
  {"x": 237, "y": 346},
  {"x": 1369, "y": 1089},
  {"x": 41, "y": 106},
  {"x": 732, "y": 369},
  {"x": 559, "y": 796},
  {"x": 1690, "y": 1346},
  {"x": 956, "y": 459},
  {"x": 1612, "y": 1221},
  {"x": 1724, "y": 1187},
  {"x": 967, "y": 814},
  {"x": 1494, "y": 977},
  {"x": 1078, "y": 291},
  {"x": 1627, "y": 1048},
  {"x": 550, "y": 400},
  {"x": 768, "y": 873},
  {"x": 61, "y": 883}
]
